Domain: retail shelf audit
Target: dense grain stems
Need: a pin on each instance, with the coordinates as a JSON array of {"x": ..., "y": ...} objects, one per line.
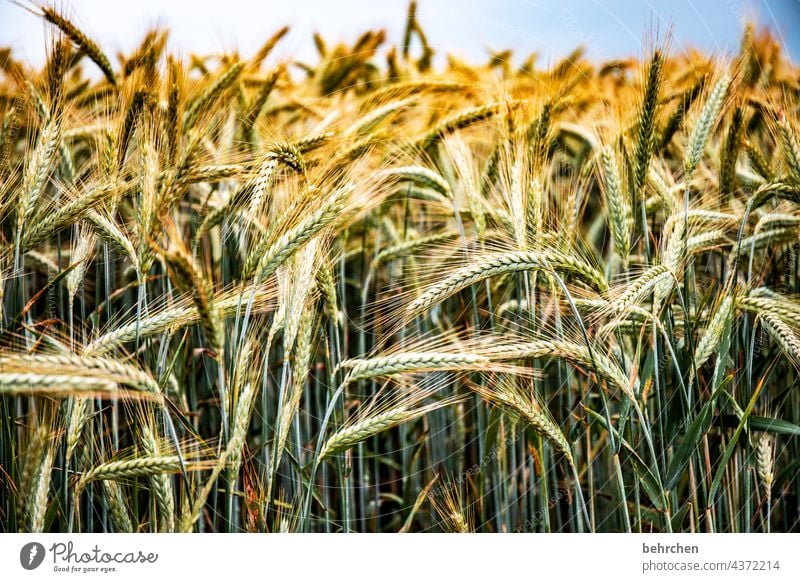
[
  {"x": 302, "y": 357},
  {"x": 231, "y": 457},
  {"x": 360, "y": 239}
]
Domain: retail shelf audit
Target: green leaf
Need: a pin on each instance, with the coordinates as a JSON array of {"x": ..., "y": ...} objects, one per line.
[
  {"x": 691, "y": 439},
  {"x": 732, "y": 443},
  {"x": 643, "y": 473},
  {"x": 492, "y": 429},
  {"x": 679, "y": 517},
  {"x": 702, "y": 421},
  {"x": 775, "y": 425}
]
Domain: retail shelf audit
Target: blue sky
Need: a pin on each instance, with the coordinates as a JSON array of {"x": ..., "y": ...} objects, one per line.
[{"x": 608, "y": 28}]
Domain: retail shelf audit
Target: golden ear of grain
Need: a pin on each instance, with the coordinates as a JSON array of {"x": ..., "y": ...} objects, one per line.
[
  {"x": 349, "y": 436},
  {"x": 268, "y": 255},
  {"x": 656, "y": 277},
  {"x": 381, "y": 414},
  {"x": 481, "y": 268},
  {"x": 38, "y": 169},
  {"x": 447, "y": 501},
  {"x": 35, "y": 478},
  {"x": 83, "y": 42},
  {"x": 576, "y": 354},
  {"x": 205, "y": 101},
  {"x": 791, "y": 149},
  {"x": 785, "y": 335},
  {"x": 179, "y": 316},
  {"x": 765, "y": 460}
]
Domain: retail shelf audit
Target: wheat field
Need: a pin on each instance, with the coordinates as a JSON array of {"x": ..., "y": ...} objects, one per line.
[{"x": 391, "y": 291}]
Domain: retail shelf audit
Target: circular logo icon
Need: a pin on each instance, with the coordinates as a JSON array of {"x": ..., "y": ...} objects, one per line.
[{"x": 31, "y": 555}]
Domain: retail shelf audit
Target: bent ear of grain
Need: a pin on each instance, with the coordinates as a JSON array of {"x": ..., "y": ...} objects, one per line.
[
  {"x": 491, "y": 265},
  {"x": 182, "y": 314},
  {"x": 508, "y": 395},
  {"x": 380, "y": 417},
  {"x": 62, "y": 376}
]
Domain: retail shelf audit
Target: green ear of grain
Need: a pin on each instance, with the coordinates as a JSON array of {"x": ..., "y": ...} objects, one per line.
[
  {"x": 698, "y": 138},
  {"x": 619, "y": 211}
]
